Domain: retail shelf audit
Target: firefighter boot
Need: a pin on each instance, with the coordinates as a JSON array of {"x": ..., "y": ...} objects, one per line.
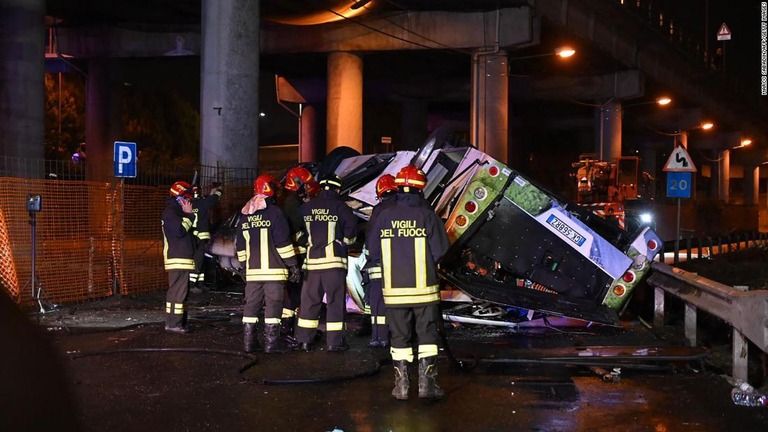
[
  {"x": 402, "y": 380},
  {"x": 272, "y": 342},
  {"x": 286, "y": 332},
  {"x": 174, "y": 323},
  {"x": 428, "y": 387},
  {"x": 250, "y": 342}
]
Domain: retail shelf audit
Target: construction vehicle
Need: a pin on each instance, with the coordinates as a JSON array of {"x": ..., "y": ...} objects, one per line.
[
  {"x": 616, "y": 191},
  {"x": 515, "y": 246}
]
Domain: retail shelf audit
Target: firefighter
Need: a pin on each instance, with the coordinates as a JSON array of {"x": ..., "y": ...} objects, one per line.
[
  {"x": 409, "y": 239},
  {"x": 264, "y": 247},
  {"x": 201, "y": 229},
  {"x": 178, "y": 254},
  {"x": 299, "y": 187},
  {"x": 330, "y": 227},
  {"x": 374, "y": 308}
]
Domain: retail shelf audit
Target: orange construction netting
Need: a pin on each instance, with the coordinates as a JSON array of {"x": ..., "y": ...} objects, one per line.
[{"x": 92, "y": 239}]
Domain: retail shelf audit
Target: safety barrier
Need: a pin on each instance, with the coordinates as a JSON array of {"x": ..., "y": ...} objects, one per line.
[
  {"x": 92, "y": 239},
  {"x": 691, "y": 248},
  {"x": 745, "y": 311}
]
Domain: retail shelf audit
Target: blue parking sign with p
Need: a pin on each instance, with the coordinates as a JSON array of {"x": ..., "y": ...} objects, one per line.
[{"x": 125, "y": 159}]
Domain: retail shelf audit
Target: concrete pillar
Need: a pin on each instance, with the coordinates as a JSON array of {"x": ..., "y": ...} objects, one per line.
[
  {"x": 102, "y": 118},
  {"x": 308, "y": 151},
  {"x": 490, "y": 104},
  {"x": 714, "y": 167},
  {"x": 22, "y": 68},
  {"x": 344, "y": 120},
  {"x": 751, "y": 185},
  {"x": 414, "y": 124},
  {"x": 723, "y": 176},
  {"x": 608, "y": 123},
  {"x": 229, "y": 102}
]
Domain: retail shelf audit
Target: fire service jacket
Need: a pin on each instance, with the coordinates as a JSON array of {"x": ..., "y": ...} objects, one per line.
[
  {"x": 263, "y": 243},
  {"x": 202, "y": 206},
  {"x": 374, "y": 267},
  {"x": 330, "y": 226},
  {"x": 178, "y": 249},
  {"x": 408, "y": 239}
]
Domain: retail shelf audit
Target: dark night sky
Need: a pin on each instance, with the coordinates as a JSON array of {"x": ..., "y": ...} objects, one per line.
[{"x": 741, "y": 16}]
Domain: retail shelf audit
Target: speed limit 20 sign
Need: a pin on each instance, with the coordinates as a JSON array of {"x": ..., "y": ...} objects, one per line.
[{"x": 679, "y": 184}]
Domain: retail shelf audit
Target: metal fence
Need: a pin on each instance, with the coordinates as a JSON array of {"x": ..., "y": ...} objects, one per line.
[
  {"x": 148, "y": 174},
  {"x": 94, "y": 239}
]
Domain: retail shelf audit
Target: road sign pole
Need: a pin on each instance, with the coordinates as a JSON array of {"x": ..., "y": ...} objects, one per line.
[
  {"x": 677, "y": 235},
  {"x": 723, "y": 57}
]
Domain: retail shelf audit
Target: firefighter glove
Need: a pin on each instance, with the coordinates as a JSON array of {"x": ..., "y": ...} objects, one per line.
[{"x": 294, "y": 274}]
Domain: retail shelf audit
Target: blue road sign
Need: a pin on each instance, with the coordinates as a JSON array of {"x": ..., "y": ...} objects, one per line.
[
  {"x": 125, "y": 159},
  {"x": 679, "y": 184}
]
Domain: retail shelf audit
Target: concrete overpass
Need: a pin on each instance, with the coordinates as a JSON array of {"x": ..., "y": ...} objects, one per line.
[{"x": 397, "y": 67}]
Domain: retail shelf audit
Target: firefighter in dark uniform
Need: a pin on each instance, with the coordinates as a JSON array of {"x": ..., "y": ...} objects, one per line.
[
  {"x": 264, "y": 247},
  {"x": 411, "y": 240},
  {"x": 330, "y": 227},
  {"x": 299, "y": 187},
  {"x": 375, "y": 308},
  {"x": 178, "y": 254},
  {"x": 202, "y": 233}
]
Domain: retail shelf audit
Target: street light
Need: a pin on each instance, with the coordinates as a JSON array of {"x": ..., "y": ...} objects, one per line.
[
  {"x": 562, "y": 52},
  {"x": 565, "y": 52},
  {"x": 661, "y": 101}
]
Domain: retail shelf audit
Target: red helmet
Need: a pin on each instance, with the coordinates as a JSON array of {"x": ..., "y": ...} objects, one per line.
[
  {"x": 311, "y": 189},
  {"x": 181, "y": 188},
  {"x": 264, "y": 184},
  {"x": 384, "y": 184},
  {"x": 297, "y": 177},
  {"x": 411, "y": 176}
]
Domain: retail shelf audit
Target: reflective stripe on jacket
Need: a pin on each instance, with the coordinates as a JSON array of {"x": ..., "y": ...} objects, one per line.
[
  {"x": 330, "y": 226},
  {"x": 177, "y": 238},
  {"x": 407, "y": 239},
  {"x": 202, "y": 207},
  {"x": 264, "y": 244}
]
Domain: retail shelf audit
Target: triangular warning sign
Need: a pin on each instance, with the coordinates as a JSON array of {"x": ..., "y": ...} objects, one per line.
[
  {"x": 723, "y": 33},
  {"x": 679, "y": 161}
]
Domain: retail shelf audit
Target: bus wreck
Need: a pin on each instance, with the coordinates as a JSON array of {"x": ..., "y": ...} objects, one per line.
[{"x": 517, "y": 250}]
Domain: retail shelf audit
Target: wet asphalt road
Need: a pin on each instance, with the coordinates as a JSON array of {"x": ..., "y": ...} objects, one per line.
[{"x": 201, "y": 382}]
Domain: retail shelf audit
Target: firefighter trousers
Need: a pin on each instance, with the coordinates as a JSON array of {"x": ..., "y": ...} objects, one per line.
[
  {"x": 402, "y": 323},
  {"x": 292, "y": 296},
  {"x": 178, "y": 288},
  {"x": 267, "y": 295},
  {"x": 198, "y": 275},
  {"x": 379, "y": 327},
  {"x": 332, "y": 283}
]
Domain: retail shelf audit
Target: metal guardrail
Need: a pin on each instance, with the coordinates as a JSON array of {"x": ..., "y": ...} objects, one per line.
[
  {"x": 700, "y": 247},
  {"x": 745, "y": 311}
]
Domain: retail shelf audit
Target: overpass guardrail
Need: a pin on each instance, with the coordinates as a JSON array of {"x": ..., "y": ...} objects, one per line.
[
  {"x": 745, "y": 311},
  {"x": 702, "y": 247}
]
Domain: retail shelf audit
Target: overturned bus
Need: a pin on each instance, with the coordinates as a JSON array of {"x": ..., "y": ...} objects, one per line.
[{"x": 514, "y": 245}]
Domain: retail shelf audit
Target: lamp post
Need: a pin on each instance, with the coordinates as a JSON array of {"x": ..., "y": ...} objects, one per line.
[
  {"x": 612, "y": 112},
  {"x": 564, "y": 52}
]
